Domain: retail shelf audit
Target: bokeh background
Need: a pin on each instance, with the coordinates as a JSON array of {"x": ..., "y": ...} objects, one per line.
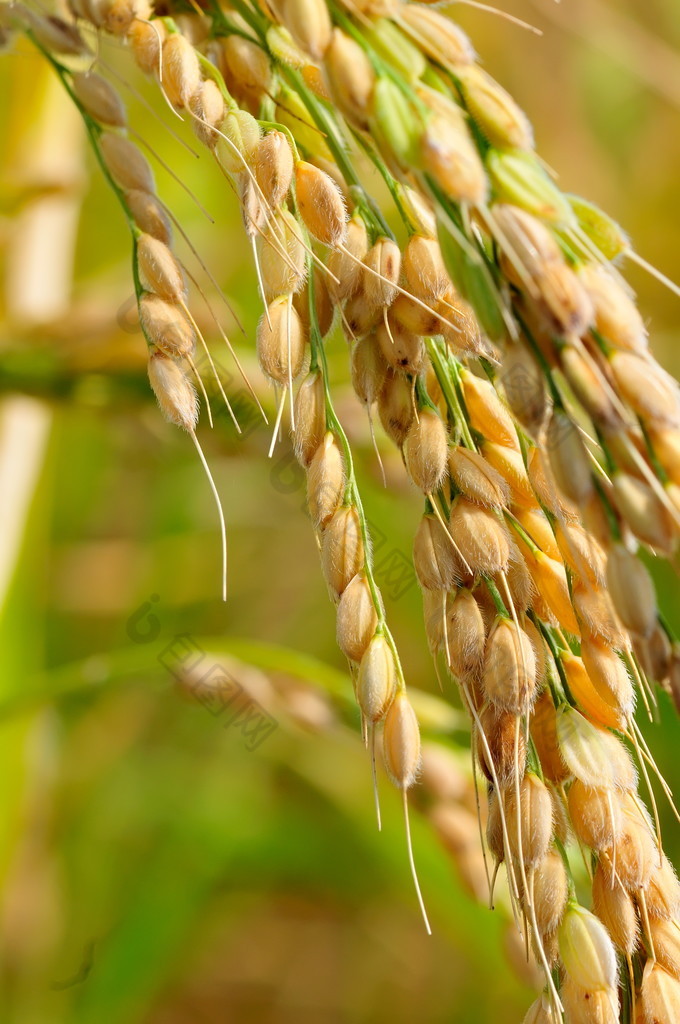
[{"x": 159, "y": 862}]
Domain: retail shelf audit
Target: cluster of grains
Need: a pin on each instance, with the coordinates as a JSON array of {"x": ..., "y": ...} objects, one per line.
[
  {"x": 362, "y": 634},
  {"x": 510, "y": 366}
]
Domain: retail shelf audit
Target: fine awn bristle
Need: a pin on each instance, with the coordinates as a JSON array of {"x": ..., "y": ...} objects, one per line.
[{"x": 510, "y": 367}]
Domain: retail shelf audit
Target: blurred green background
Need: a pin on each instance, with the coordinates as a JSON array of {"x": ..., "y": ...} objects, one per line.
[{"x": 159, "y": 864}]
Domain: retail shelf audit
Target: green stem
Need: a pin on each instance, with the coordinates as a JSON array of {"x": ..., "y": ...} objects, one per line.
[
  {"x": 521, "y": 532},
  {"x": 352, "y": 495},
  {"x": 496, "y": 597},
  {"x": 391, "y": 182},
  {"x": 608, "y": 508},
  {"x": 257, "y": 21},
  {"x": 94, "y": 132},
  {"x": 660, "y": 472},
  {"x": 533, "y": 760},
  {"x": 559, "y": 846},
  {"x": 441, "y": 368},
  {"x": 566, "y": 695}
]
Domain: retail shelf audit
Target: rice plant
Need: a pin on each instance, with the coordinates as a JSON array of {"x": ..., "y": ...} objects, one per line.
[{"x": 391, "y": 195}]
